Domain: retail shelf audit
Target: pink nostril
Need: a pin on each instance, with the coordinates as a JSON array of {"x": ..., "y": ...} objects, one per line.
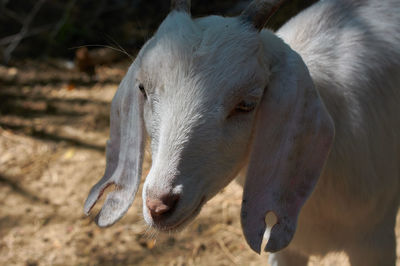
[{"x": 165, "y": 204}]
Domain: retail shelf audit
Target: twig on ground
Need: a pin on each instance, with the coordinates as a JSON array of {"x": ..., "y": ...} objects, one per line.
[
  {"x": 11, "y": 14},
  {"x": 226, "y": 251},
  {"x": 24, "y": 30},
  {"x": 34, "y": 31}
]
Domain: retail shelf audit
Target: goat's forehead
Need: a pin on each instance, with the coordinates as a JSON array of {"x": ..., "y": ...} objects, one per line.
[{"x": 212, "y": 50}]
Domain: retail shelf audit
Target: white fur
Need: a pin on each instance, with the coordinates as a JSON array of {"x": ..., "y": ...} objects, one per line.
[
  {"x": 352, "y": 49},
  {"x": 193, "y": 83},
  {"x": 196, "y": 72}
]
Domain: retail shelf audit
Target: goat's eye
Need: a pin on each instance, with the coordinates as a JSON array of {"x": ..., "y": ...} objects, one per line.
[
  {"x": 245, "y": 107},
  {"x": 142, "y": 90}
]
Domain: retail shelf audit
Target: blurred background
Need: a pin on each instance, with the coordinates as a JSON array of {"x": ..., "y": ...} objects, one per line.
[
  {"x": 43, "y": 29},
  {"x": 60, "y": 64}
]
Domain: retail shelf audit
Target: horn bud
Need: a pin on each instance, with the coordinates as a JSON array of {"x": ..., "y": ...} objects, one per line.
[
  {"x": 259, "y": 11},
  {"x": 181, "y": 5}
]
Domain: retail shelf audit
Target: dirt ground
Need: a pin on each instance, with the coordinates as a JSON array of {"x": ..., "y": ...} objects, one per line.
[{"x": 53, "y": 128}]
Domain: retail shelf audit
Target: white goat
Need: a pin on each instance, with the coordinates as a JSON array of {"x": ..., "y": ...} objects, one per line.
[{"x": 217, "y": 95}]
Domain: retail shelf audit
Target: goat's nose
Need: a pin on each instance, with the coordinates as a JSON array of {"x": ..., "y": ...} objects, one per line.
[{"x": 162, "y": 206}]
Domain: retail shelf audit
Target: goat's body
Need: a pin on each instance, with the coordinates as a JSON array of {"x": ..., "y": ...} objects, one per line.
[{"x": 352, "y": 49}]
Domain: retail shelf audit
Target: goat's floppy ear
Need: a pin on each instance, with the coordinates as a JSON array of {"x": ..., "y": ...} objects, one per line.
[
  {"x": 292, "y": 140},
  {"x": 124, "y": 154}
]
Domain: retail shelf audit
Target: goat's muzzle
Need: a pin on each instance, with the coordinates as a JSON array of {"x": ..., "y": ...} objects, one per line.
[{"x": 161, "y": 208}]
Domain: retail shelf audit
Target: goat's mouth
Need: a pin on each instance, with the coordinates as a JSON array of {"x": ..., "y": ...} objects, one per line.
[{"x": 180, "y": 224}]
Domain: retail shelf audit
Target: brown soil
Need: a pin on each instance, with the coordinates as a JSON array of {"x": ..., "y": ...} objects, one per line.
[{"x": 53, "y": 128}]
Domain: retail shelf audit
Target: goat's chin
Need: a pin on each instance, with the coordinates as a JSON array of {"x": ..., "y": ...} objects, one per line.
[{"x": 178, "y": 225}]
